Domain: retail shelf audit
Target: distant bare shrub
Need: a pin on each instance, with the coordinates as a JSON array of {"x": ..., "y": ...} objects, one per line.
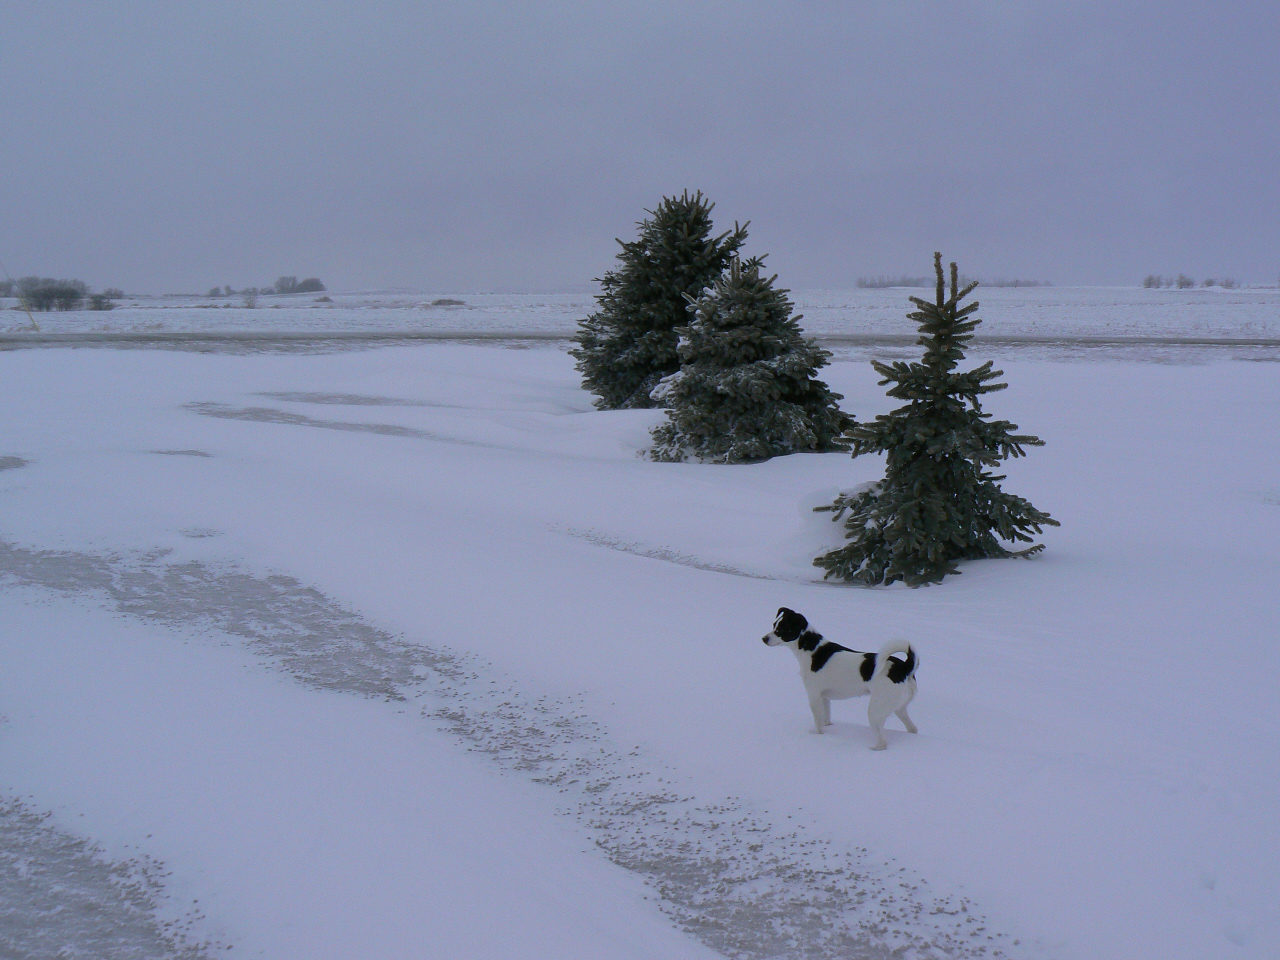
[
  {"x": 6, "y": 288},
  {"x": 45, "y": 294},
  {"x": 70, "y": 295},
  {"x": 447, "y": 302},
  {"x": 1227, "y": 283},
  {"x": 113, "y": 293},
  {"x": 1153, "y": 282},
  {"x": 324, "y": 300},
  {"x": 1185, "y": 282},
  {"x": 250, "y": 297},
  {"x": 214, "y": 292},
  {"x": 294, "y": 285},
  {"x": 100, "y": 301}
]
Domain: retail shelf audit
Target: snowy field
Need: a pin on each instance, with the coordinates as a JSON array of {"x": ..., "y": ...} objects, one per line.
[
  {"x": 1007, "y": 311},
  {"x": 403, "y": 652}
]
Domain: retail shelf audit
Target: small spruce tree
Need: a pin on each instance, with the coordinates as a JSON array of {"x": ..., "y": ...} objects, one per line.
[
  {"x": 629, "y": 343},
  {"x": 938, "y": 503},
  {"x": 746, "y": 388}
]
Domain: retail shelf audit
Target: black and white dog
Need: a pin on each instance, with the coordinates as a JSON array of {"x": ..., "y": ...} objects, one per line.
[{"x": 832, "y": 672}]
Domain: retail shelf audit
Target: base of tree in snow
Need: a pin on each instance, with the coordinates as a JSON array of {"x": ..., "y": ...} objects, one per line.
[
  {"x": 939, "y": 503},
  {"x": 885, "y": 547}
]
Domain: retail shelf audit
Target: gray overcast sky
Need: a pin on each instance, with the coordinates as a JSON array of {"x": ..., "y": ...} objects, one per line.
[{"x": 502, "y": 146}]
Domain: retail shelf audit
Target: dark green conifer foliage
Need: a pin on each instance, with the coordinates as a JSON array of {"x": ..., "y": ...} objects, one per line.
[
  {"x": 938, "y": 502},
  {"x": 629, "y": 343},
  {"x": 746, "y": 389}
]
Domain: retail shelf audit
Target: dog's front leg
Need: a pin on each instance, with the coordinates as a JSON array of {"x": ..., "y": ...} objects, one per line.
[{"x": 821, "y": 708}]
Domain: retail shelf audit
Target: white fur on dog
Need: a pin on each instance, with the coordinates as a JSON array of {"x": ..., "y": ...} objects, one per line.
[{"x": 842, "y": 673}]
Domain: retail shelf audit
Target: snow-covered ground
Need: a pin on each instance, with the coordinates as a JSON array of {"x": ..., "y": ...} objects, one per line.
[{"x": 404, "y": 652}]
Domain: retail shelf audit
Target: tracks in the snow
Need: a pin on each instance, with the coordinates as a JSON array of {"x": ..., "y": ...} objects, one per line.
[{"x": 728, "y": 874}]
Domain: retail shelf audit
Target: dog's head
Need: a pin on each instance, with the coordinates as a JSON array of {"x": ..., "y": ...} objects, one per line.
[{"x": 787, "y": 627}]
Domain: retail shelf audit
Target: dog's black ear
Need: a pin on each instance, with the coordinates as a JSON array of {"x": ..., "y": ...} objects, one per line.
[{"x": 789, "y": 624}]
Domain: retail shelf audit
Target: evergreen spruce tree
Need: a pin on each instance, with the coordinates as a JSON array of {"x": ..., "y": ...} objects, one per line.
[
  {"x": 629, "y": 343},
  {"x": 938, "y": 503},
  {"x": 746, "y": 388}
]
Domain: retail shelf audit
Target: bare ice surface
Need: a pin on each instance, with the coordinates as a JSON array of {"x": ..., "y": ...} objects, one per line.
[{"x": 736, "y": 878}]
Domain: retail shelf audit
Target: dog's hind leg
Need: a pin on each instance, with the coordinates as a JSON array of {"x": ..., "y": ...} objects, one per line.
[
  {"x": 906, "y": 721},
  {"x": 821, "y": 708},
  {"x": 902, "y": 710},
  {"x": 883, "y": 699}
]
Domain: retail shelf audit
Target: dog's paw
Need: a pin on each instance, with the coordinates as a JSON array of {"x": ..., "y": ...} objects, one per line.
[
  {"x": 913, "y": 729},
  {"x": 880, "y": 746}
]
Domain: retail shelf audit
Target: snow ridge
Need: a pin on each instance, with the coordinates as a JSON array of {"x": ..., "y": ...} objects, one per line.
[
  {"x": 272, "y": 415},
  {"x": 735, "y": 878},
  {"x": 659, "y": 553}
]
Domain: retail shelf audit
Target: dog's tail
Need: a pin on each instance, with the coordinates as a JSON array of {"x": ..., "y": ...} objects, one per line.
[{"x": 897, "y": 670}]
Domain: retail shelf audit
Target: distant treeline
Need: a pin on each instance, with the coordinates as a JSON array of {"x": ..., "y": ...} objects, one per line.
[
  {"x": 282, "y": 286},
  {"x": 883, "y": 283},
  {"x": 45, "y": 294},
  {"x": 1153, "y": 281}
]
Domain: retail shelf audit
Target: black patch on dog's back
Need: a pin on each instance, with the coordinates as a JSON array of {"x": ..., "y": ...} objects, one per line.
[
  {"x": 823, "y": 654},
  {"x": 868, "y": 667},
  {"x": 809, "y": 640},
  {"x": 899, "y": 670}
]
